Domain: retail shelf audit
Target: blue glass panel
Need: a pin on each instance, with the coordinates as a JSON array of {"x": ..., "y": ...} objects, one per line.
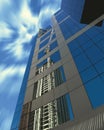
[
  {"x": 77, "y": 52},
  {"x": 73, "y": 45},
  {"x": 102, "y": 77},
  {"x": 44, "y": 43},
  {"x": 92, "y": 32},
  {"x": 42, "y": 63},
  {"x": 53, "y": 45},
  {"x": 71, "y": 115},
  {"x": 54, "y": 36},
  {"x": 94, "y": 54},
  {"x": 45, "y": 35},
  {"x": 67, "y": 28},
  {"x": 98, "y": 37},
  {"x": 100, "y": 66},
  {"x": 41, "y": 54},
  {"x": 82, "y": 62},
  {"x": 100, "y": 44},
  {"x": 62, "y": 73},
  {"x": 88, "y": 74},
  {"x": 61, "y": 16},
  {"x": 19, "y": 107},
  {"x": 55, "y": 57},
  {"x": 87, "y": 44},
  {"x": 21, "y": 97},
  {"x": 83, "y": 38},
  {"x": 95, "y": 91},
  {"x": 73, "y": 8}
]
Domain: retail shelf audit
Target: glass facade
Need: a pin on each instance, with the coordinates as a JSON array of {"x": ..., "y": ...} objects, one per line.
[
  {"x": 55, "y": 57},
  {"x": 48, "y": 48},
  {"x": 47, "y": 34},
  {"x": 88, "y": 55},
  {"x": 53, "y": 114},
  {"x": 45, "y": 42},
  {"x": 48, "y": 82},
  {"x": 67, "y": 25},
  {"x": 74, "y": 8}
]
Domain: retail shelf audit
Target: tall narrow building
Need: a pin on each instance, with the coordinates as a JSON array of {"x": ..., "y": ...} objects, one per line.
[{"x": 65, "y": 78}]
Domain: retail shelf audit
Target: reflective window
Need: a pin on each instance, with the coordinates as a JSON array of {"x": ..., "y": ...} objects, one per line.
[
  {"x": 67, "y": 28},
  {"x": 82, "y": 62},
  {"x": 53, "y": 36},
  {"x": 95, "y": 91},
  {"x": 98, "y": 37},
  {"x": 61, "y": 16},
  {"x": 82, "y": 39},
  {"x": 92, "y": 32},
  {"x": 55, "y": 57},
  {"x": 41, "y": 54},
  {"x": 100, "y": 44},
  {"x": 45, "y": 36},
  {"x": 47, "y": 49},
  {"x": 88, "y": 54},
  {"x": 73, "y": 45},
  {"x": 88, "y": 74},
  {"x": 53, "y": 45},
  {"x": 94, "y": 54},
  {"x": 100, "y": 66},
  {"x": 77, "y": 52},
  {"x": 87, "y": 44},
  {"x": 49, "y": 82},
  {"x": 59, "y": 111},
  {"x": 44, "y": 43}
]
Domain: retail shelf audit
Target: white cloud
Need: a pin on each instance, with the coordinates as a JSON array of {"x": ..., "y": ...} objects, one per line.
[
  {"x": 11, "y": 71},
  {"x": 27, "y": 27},
  {"x": 11, "y": 79},
  {"x": 4, "y": 2},
  {"x": 5, "y": 32},
  {"x": 16, "y": 49}
]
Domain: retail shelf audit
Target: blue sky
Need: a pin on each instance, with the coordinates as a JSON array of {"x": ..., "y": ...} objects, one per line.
[{"x": 20, "y": 20}]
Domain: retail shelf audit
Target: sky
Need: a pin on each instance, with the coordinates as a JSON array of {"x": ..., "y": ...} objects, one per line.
[{"x": 20, "y": 20}]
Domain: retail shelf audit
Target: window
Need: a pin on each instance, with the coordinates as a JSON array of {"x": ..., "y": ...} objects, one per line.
[
  {"x": 49, "y": 82},
  {"x": 55, "y": 57},
  {"x": 45, "y": 35},
  {"x": 44, "y": 43},
  {"x": 62, "y": 15},
  {"x": 88, "y": 74},
  {"x": 53, "y": 36},
  {"x": 94, "y": 54},
  {"x": 47, "y": 49},
  {"x": 59, "y": 111},
  {"x": 95, "y": 91},
  {"x": 100, "y": 66},
  {"x": 82, "y": 62},
  {"x": 67, "y": 28}
]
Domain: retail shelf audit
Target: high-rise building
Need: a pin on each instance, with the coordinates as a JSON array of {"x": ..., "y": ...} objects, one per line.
[
  {"x": 65, "y": 88},
  {"x": 84, "y": 11}
]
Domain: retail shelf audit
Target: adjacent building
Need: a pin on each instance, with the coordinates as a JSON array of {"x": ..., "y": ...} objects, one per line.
[{"x": 65, "y": 88}]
